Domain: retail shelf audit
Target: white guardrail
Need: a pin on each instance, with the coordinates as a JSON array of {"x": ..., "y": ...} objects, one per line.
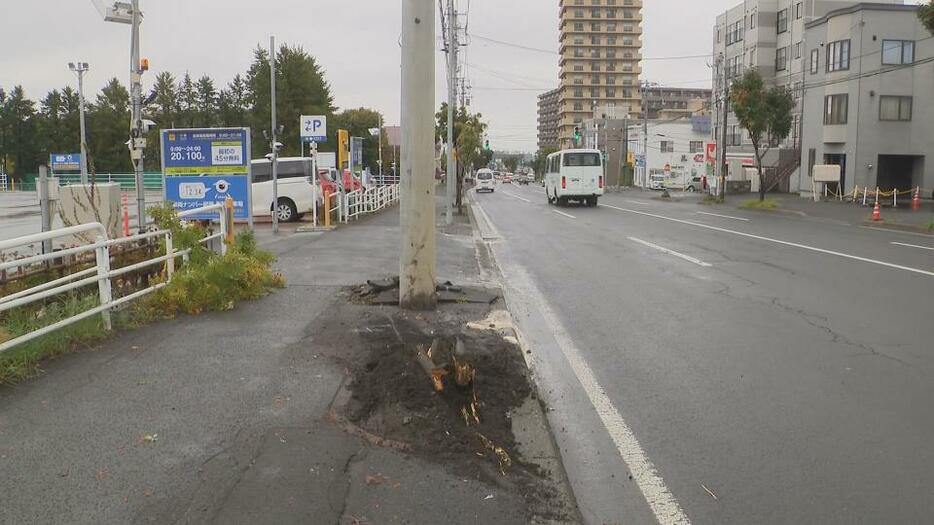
[
  {"x": 360, "y": 202},
  {"x": 101, "y": 273}
]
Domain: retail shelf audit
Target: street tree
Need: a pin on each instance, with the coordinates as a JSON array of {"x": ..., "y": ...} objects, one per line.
[
  {"x": 51, "y": 133},
  {"x": 358, "y": 122},
  {"x": 232, "y": 103},
  {"x": 926, "y": 14},
  {"x": 766, "y": 114},
  {"x": 108, "y": 120},
  {"x": 541, "y": 159},
  {"x": 18, "y": 125},
  {"x": 187, "y": 102},
  {"x": 467, "y": 151},
  {"x": 206, "y": 112}
]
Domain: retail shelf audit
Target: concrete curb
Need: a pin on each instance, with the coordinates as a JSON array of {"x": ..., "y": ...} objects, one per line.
[{"x": 895, "y": 226}]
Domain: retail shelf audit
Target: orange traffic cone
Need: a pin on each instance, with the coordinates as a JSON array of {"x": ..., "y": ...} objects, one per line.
[
  {"x": 916, "y": 200},
  {"x": 876, "y": 213}
]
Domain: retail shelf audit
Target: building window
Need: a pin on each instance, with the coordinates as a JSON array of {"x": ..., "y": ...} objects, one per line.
[
  {"x": 578, "y": 93},
  {"x": 896, "y": 52},
  {"x": 736, "y": 136},
  {"x": 835, "y": 109},
  {"x": 578, "y": 106},
  {"x": 895, "y": 108},
  {"x": 696, "y": 146},
  {"x": 838, "y": 56},
  {"x": 782, "y": 21},
  {"x": 578, "y": 13},
  {"x": 578, "y": 26},
  {"x": 752, "y": 18},
  {"x": 799, "y": 10},
  {"x": 667, "y": 146},
  {"x": 781, "y": 59},
  {"x": 610, "y": 92},
  {"x": 611, "y": 28},
  {"x": 595, "y": 26},
  {"x": 815, "y": 61},
  {"x": 798, "y": 50}
]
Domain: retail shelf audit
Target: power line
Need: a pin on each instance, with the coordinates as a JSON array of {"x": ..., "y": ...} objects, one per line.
[{"x": 552, "y": 52}]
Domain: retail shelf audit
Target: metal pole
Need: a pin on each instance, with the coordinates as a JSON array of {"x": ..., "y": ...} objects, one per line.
[
  {"x": 44, "y": 207},
  {"x": 624, "y": 152},
  {"x": 380, "y": 139},
  {"x": 645, "y": 135},
  {"x": 418, "y": 259},
  {"x": 84, "y": 141},
  {"x": 721, "y": 182},
  {"x": 274, "y": 134},
  {"x": 451, "y": 44},
  {"x": 136, "y": 131}
]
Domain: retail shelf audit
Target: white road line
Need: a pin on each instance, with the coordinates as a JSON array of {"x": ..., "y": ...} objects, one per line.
[
  {"x": 638, "y": 202},
  {"x": 776, "y": 241},
  {"x": 568, "y": 215},
  {"x": 913, "y": 246},
  {"x": 662, "y": 502},
  {"x": 723, "y": 216},
  {"x": 523, "y": 199},
  {"x": 899, "y": 232},
  {"x": 671, "y": 252}
]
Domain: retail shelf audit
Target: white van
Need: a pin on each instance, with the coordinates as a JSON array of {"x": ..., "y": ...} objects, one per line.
[
  {"x": 485, "y": 180},
  {"x": 296, "y": 188},
  {"x": 574, "y": 174}
]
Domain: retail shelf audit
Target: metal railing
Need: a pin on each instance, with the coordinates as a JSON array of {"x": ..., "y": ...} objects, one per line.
[
  {"x": 371, "y": 200},
  {"x": 101, "y": 273}
]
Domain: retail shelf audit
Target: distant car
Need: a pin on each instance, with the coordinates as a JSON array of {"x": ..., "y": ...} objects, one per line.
[
  {"x": 507, "y": 178},
  {"x": 656, "y": 182},
  {"x": 695, "y": 184},
  {"x": 574, "y": 175},
  {"x": 485, "y": 181},
  {"x": 523, "y": 179}
]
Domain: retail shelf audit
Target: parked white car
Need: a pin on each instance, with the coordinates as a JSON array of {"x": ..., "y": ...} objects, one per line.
[
  {"x": 574, "y": 175},
  {"x": 296, "y": 190}
]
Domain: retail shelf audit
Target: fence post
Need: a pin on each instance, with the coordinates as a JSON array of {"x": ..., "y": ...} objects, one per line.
[
  {"x": 223, "y": 221},
  {"x": 102, "y": 254},
  {"x": 169, "y": 251},
  {"x": 314, "y": 205}
]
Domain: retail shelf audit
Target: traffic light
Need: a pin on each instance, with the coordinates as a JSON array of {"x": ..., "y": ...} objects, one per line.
[
  {"x": 486, "y": 144},
  {"x": 577, "y": 134}
]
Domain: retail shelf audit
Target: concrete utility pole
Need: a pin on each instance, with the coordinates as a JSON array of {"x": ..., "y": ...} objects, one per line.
[
  {"x": 451, "y": 46},
  {"x": 645, "y": 135},
  {"x": 81, "y": 68},
  {"x": 136, "y": 124},
  {"x": 417, "y": 264},
  {"x": 274, "y": 135},
  {"x": 624, "y": 152},
  {"x": 724, "y": 168}
]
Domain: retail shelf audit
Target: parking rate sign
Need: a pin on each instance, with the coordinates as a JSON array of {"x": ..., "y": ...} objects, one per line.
[
  {"x": 314, "y": 128},
  {"x": 204, "y": 166}
]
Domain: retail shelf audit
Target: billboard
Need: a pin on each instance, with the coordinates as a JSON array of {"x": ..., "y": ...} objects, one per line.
[{"x": 65, "y": 162}]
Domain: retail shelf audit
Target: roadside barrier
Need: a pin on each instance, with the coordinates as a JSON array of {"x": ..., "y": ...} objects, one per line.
[
  {"x": 864, "y": 196},
  {"x": 101, "y": 273},
  {"x": 357, "y": 203}
]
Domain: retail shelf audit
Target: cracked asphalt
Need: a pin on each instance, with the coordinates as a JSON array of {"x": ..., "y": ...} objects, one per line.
[{"x": 790, "y": 378}]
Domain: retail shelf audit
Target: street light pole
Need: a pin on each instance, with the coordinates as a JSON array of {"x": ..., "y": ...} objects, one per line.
[
  {"x": 274, "y": 134},
  {"x": 136, "y": 123},
  {"x": 418, "y": 258},
  {"x": 645, "y": 135},
  {"x": 81, "y": 68},
  {"x": 451, "y": 45}
]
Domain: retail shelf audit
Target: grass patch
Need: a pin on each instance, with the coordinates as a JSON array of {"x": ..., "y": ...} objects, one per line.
[
  {"x": 930, "y": 225},
  {"x": 767, "y": 204},
  {"x": 710, "y": 200},
  {"x": 209, "y": 282}
]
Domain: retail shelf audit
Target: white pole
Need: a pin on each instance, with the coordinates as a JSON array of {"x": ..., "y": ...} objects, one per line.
[
  {"x": 274, "y": 134},
  {"x": 417, "y": 264},
  {"x": 136, "y": 126},
  {"x": 84, "y": 141},
  {"x": 381, "y": 181}
]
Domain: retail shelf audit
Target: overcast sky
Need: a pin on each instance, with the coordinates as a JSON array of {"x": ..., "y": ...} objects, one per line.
[{"x": 356, "y": 41}]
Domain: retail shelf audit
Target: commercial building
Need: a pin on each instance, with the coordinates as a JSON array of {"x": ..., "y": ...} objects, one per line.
[
  {"x": 676, "y": 149},
  {"x": 670, "y": 102},
  {"x": 768, "y": 36},
  {"x": 600, "y": 48},
  {"x": 869, "y": 97},
  {"x": 548, "y": 119}
]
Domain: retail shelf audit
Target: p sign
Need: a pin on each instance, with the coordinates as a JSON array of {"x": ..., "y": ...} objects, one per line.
[{"x": 314, "y": 128}]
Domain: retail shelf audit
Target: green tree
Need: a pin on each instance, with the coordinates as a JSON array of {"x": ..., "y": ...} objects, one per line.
[
  {"x": 511, "y": 163},
  {"x": 541, "y": 158},
  {"x": 206, "y": 112},
  {"x": 3, "y": 132},
  {"x": 108, "y": 125},
  {"x": 19, "y": 133},
  {"x": 164, "y": 108},
  {"x": 51, "y": 133},
  {"x": 187, "y": 102},
  {"x": 926, "y": 14},
  {"x": 300, "y": 90},
  {"x": 358, "y": 122},
  {"x": 469, "y": 130},
  {"x": 766, "y": 114},
  {"x": 232, "y": 103}
]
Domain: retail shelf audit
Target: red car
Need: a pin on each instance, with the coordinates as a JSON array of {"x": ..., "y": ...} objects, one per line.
[{"x": 326, "y": 179}]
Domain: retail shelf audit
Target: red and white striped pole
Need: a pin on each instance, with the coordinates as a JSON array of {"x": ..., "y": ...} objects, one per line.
[{"x": 126, "y": 214}]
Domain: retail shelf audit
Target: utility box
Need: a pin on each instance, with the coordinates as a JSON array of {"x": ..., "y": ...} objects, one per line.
[{"x": 84, "y": 203}]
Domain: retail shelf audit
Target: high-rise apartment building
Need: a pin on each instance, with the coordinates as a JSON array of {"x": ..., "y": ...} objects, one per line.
[
  {"x": 600, "y": 48},
  {"x": 548, "y": 119}
]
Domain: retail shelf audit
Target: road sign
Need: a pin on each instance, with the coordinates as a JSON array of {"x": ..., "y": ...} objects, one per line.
[
  {"x": 65, "y": 161},
  {"x": 201, "y": 167},
  {"x": 314, "y": 128},
  {"x": 356, "y": 154}
]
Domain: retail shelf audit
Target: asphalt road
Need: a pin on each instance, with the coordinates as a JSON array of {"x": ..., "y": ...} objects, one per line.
[{"x": 718, "y": 366}]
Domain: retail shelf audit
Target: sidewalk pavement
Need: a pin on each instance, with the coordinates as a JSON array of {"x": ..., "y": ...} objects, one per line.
[
  {"x": 855, "y": 214},
  {"x": 228, "y": 417}
]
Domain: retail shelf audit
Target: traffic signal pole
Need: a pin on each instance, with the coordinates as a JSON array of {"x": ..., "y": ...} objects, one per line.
[{"x": 418, "y": 259}]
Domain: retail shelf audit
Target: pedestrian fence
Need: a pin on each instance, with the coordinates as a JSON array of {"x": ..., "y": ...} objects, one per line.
[
  {"x": 867, "y": 196},
  {"x": 4, "y": 181},
  {"x": 357, "y": 203},
  {"x": 127, "y": 181},
  {"x": 101, "y": 273}
]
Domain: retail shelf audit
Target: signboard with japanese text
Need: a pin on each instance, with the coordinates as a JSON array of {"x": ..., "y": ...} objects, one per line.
[
  {"x": 201, "y": 167},
  {"x": 314, "y": 128},
  {"x": 65, "y": 162}
]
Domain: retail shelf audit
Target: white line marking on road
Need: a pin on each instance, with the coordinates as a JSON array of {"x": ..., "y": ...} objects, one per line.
[
  {"x": 723, "y": 216},
  {"x": 664, "y": 506},
  {"x": 641, "y": 203},
  {"x": 671, "y": 252},
  {"x": 776, "y": 241},
  {"x": 568, "y": 215},
  {"x": 913, "y": 246},
  {"x": 523, "y": 199},
  {"x": 899, "y": 232}
]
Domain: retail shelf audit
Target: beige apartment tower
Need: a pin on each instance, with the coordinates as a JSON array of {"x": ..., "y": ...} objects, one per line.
[{"x": 600, "y": 48}]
